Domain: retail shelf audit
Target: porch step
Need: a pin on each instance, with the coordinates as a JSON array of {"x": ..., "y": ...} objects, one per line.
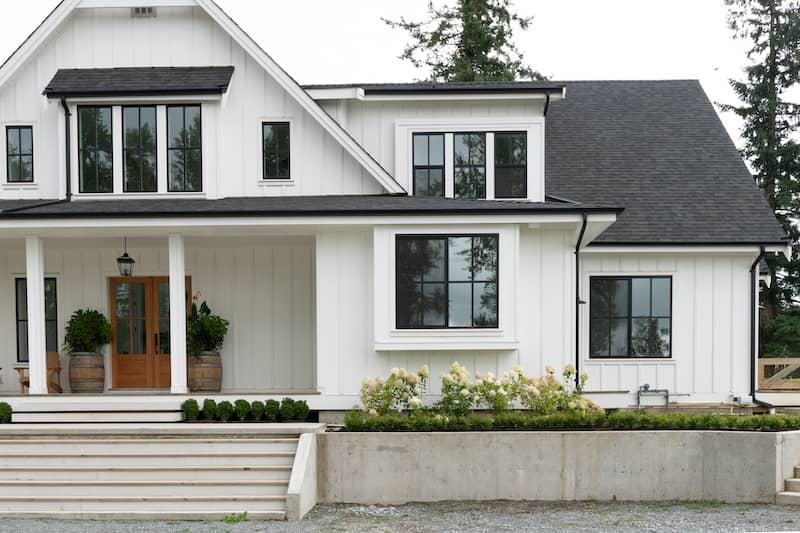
[
  {"x": 91, "y": 417},
  {"x": 792, "y": 484},
  {"x": 788, "y": 498}
]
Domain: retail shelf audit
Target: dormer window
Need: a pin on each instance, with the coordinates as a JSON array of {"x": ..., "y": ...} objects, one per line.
[
  {"x": 469, "y": 165},
  {"x": 510, "y": 165},
  {"x": 429, "y": 164},
  {"x": 95, "y": 150},
  {"x": 139, "y": 149},
  {"x": 184, "y": 149}
]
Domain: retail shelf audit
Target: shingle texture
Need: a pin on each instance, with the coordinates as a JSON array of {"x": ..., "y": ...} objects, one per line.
[
  {"x": 139, "y": 81},
  {"x": 658, "y": 149},
  {"x": 296, "y": 206}
]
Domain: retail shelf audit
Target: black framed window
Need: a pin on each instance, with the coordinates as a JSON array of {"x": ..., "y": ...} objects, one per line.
[
  {"x": 428, "y": 164},
  {"x": 50, "y": 317},
  {"x": 469, "y": 165},
  {"x": 184, "y": 149},
  {"x": 275, "y": 150},
  {"x": 630, "y": 316},
  {"x": 139, "y": 149},
  {"x": 95, "y": 150},
  {"x": 19, "y": 154},
  {"x": 446, "y": 281},
  {"x": 510, "y": 165}
]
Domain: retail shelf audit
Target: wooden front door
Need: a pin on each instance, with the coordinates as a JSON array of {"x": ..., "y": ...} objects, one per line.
[{"x": 140, "y": 350}]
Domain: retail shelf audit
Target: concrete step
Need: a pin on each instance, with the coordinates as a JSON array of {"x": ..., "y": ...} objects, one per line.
[
  {"x": 240, "y": 473},
  {"x": 163, "y": 445},
  {"x": 797, "y": 471},
  {"x": 90, "y": 490},
  {"x": 154, "y": 458},
  {"x": 92, "y": 417},
  {"x": 792, "y": 485},
  {"x": 788, "y": 498},
  {"x": 144, "y": 515},
  {"x": 155, "y": 506}
]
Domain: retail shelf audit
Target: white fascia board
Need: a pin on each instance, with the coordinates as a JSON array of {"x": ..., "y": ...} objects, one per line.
[
  {"x": 338, "y": 93},
  {"x": 301, "y": 96},
  {"x": 123, "y": 100},
  {"x": 700, "y": 249},
  {"x": 466, "y": 97},
  {"x": 94, "y": 4}
]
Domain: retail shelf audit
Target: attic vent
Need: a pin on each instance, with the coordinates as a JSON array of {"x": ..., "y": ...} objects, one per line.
[{"x": 143, "y": 12}]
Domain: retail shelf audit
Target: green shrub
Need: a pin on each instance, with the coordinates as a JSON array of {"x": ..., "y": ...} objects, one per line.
[
  {"x": 87, "y": 330},
  {"x": 191, "y": 411},
  {"x": 209, "y": 409},
  {"x": 5, "y": 413},
  {"x": 287, "y": 409},
  {"x": 272, "y": 410},
  {"x": 225, "y": 411},
  {"x": 301, "y": 410},
  {"x": 242, "y": 408},
  {"x": 205, "y": 332},
  {"x": 257, "y": 410}
]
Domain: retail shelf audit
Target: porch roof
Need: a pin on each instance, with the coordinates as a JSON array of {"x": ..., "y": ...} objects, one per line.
[{"x": 288, "y": 206}]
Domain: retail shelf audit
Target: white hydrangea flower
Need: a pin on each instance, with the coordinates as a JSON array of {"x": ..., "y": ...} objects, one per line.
[
  {"x": 424, "y": 371},
  {"x": 465, "y": 392},
  {"x": 415, "y": 402}
]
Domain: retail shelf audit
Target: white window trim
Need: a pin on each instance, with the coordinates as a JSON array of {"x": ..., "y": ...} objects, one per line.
[
  {"x": 294, "y": 156},
  {"x": 4, "y": 183},
  {"x": 533, "y": 126}
]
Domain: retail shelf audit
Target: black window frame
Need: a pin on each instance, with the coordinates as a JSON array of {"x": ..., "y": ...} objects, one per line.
[
  {"x": 20, "y": 155},
  {"x": 18, "y": 282},
  {"x": 471, "y": 165},
  {"x": 630, "y": 316},
  {"x": 184, "y": 148},
  {"x": 81, "y": 149},
  {"x": 446, "y": 280},
  {"x": 524, "y": 165},
  {"x": 428, "y": 167},
  {"x": 278, "y": 151},
  {"x": 139, "y": 148}
]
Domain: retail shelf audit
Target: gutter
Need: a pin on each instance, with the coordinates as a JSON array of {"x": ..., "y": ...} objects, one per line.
[
  {"x": 578, "y": 301},
  {"x": 753, "y": 326}
]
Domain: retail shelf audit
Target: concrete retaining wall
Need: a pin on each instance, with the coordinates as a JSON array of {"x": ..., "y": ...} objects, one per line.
[
  {"x": 394, "y": 468},
  {"x": 301, "y": 496}
]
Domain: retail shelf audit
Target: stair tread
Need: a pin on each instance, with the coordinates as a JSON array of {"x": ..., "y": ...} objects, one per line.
[
  {"x": 177, "y": 440},
  {"x": 148, "y": 468},
  {"x": 145, "y": 482},
  {"x": 142, "y": 498},
  {"x": 188, "y": 453}
]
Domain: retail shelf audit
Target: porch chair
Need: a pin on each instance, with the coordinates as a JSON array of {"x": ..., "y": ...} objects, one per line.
[{"x": 53, "y": 374}]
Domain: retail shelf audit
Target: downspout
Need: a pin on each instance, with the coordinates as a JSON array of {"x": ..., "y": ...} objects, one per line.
[
  {"x": 67, "y": 132},
  {"x": 578, "y": 301},
  {"x": 546, "y": 104},
  {"x": 753, "y": 326}
]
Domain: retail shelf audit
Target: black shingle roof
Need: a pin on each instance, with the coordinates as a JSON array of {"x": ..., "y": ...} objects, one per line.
[
  {"x": 450, "y": 87},
  {"x": 658, "y": 149},
  {"x": 138, "y": 81}
]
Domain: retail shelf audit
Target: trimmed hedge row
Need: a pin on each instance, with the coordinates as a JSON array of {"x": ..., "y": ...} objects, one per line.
[
  {"x": 516, "y": 421},
  {"x": 243, "y": 411}
]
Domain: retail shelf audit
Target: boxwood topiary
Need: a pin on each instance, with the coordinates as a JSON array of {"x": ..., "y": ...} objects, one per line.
[
  {"x": 191, "y": 411},
  {"x": 209, "y": 409},
  {"x": 301, "y": 410},
  {"x": 272, "y": 410},
  {"x": 257, "y": 410},
  {"x": 5, "y": 413},
  {"x": 225, "y": 411},
  {"x": 287, "y": 409},
  {"x": 242, "y": 408}
]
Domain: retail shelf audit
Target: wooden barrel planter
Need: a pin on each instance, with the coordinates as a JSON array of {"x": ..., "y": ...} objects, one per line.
[
  {"x": 205, "y": 372},
  {"x": 87, "y": 373}
]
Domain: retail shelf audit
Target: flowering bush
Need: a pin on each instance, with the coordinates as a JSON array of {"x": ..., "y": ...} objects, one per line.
[
  {"x": 458, "y": 394},
  {"x": 495, "y": 394},
  {"x": 402, "y": 390}
]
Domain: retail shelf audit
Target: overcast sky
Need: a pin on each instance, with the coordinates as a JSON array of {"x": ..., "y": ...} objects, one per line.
[{"x": 338, "y": 41}]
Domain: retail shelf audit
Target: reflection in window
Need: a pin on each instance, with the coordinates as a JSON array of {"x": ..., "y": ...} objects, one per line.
[
  {"x": 139, "y": 149},
  {"x": 469, "y": 165},
  {"x": 19, "y": 154},
  {"x": 50, "y": 317},
  {"x": 630, "y": 317},
  {"x": 446, "y": 281},
  {"x": 510, "y": 164},
  {"x": 429, "y": 164},
  {"x": 275, "y": 137},
  {"x": 95, "y": 150},
  {"x": 184, "y": 149}
]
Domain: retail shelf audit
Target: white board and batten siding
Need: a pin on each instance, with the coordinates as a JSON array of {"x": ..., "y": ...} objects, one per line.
[
  {"x": 265, "y": 287},
  {"x": 177, "y": 36}
]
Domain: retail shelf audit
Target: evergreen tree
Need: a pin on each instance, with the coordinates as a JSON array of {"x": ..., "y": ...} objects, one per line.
[
  {"x": 773, "y": 27},
  {"x": 469, "y": 41}
]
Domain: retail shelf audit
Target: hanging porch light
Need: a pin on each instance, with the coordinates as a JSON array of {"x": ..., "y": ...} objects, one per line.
[{"x": 125, "y": 262}]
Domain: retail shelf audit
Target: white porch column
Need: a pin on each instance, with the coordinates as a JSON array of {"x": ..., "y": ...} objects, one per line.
[
  {"x": 177, "y": 314},
  {"x": 37, "y": 357}
]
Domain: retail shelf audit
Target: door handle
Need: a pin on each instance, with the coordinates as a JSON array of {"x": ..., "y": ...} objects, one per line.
[{"x": 155, "y": 336}]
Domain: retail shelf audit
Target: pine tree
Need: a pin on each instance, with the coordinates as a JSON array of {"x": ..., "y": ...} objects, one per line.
[
  {"x": 469, "y": 41},
  {"x": 773, "y": 27}
]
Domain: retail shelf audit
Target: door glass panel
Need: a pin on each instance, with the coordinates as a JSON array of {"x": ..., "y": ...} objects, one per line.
[
  {"x": 131, "y": 316},
  {"x": 163, "y": 336}
]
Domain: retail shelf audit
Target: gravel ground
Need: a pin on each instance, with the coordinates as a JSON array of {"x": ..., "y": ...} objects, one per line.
[{"x": 474, "y": 517}]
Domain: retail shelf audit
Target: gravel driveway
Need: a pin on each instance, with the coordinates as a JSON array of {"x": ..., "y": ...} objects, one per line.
[{"x": 474, "y": 517}]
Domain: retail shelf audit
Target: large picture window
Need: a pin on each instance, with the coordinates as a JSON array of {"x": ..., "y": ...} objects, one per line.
[
  {"x": 469, "y": 165},
  {"x": 19, "y": 154},
  {"x": 95, "y": 150},
  {"x": 446, "y": 281},
  {"x": 139, "y": 149},
  {"x": 429, "y": 164},
  {"x": 50, "y": 317},
  {"x": 184, "y": 149},
  {"x": 510, "y": 164},
  {"x": 630, "y": 317},
  {"x": 275, "y": 138}
]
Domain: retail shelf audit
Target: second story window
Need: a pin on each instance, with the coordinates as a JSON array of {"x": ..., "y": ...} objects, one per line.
[
  {"x": 19, "y": 154},
  {"x": 429, "y": 164},
  {"x": 95, "y": 150},
  {"x": 469, "y": 165},
  {"x": 275, "y": 138},
  {"x": 510, "y": 164},
  {"x": 139, "y": 149},
  {"x": 184, "y": 149}
]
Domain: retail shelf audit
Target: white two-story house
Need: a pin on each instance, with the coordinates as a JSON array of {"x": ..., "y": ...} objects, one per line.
[{"x": 348, "y": 229}]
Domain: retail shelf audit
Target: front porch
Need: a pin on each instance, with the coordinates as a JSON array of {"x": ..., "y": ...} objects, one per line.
[{"x": 263, "y": 284}]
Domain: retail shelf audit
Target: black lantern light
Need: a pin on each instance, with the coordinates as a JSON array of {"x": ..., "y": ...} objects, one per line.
[{"x": 125, "y": 262}]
